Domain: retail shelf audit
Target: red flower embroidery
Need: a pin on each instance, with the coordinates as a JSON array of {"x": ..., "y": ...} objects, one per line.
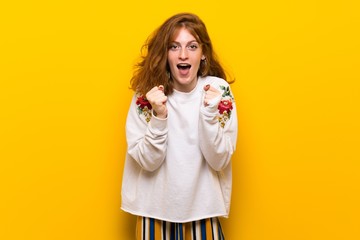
[
  {"x": 225, "y": 105},
  {"x": 144, "y": 107},
  {"x": 142, "y": 102}
]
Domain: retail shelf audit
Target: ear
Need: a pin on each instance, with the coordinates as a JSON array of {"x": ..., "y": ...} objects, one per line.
[{"x": 203, "y": 57}]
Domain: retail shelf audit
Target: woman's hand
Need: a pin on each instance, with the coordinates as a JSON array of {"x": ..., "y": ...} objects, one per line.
[
  {"x": 211, "y": 93},
  {"x": 157, "y": 99}
]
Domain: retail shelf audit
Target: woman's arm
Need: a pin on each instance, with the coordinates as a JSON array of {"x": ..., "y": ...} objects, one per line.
[
  {"x": 218, "y": 127},
  {"x": 146, "y": 135}
]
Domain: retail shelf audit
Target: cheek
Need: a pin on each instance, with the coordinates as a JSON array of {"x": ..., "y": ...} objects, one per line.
[
  {"x": 171, "y": 63},
  {"x": 196, "y": 63},
  {"x": 170, "y": 60}
]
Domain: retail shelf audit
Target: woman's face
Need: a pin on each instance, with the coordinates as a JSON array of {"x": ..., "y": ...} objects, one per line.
[{"x": 184, "y": 56}]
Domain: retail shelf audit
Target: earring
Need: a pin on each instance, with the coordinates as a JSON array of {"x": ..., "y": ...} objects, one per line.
[
  {"x": 203, "y": 67},
  {"x": 168, "y": 74}
]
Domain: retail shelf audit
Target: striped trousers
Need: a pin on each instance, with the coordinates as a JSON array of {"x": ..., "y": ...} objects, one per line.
[{"x": 153, "y": 229}]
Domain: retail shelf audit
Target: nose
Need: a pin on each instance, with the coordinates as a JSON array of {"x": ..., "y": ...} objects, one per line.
[{"x": 183, "y": 54}]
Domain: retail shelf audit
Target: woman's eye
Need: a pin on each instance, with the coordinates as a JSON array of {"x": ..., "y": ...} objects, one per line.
[
  {"x": 193, "y": 47},
  {"x": 174, "y": 47}
]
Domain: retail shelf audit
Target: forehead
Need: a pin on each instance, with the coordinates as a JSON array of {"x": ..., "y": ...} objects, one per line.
[{"x": 183, "y": 34}]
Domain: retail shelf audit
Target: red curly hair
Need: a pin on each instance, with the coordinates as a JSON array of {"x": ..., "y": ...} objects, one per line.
[{"x": 153, "y": 69}]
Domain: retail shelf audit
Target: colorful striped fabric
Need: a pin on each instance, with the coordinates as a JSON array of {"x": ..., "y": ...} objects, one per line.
[{"x": 153, "y": 229}]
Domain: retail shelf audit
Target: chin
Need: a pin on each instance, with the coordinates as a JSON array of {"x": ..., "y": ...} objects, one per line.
[{"x": 185, "y": 81}]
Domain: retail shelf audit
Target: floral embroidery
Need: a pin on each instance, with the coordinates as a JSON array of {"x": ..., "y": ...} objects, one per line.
[
  {"x": 144, "y": 107},
  {"x": 225, "y": 106}
]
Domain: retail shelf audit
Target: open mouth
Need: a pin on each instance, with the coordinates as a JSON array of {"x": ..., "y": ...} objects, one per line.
[{"x": 183, "y": 66}]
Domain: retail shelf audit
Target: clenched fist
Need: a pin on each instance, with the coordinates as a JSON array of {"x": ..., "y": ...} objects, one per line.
[
  {"x": 211, "y": 93},
  {"x": 157, "y": 99}
]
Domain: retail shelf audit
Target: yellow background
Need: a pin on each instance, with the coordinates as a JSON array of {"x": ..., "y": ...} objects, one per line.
[{"x": 65, "y": 68}]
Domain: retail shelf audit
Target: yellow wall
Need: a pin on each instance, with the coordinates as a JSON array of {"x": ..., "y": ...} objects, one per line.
[{"x": 65, "y": 68}]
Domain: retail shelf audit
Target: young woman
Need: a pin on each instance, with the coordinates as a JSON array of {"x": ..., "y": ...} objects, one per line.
[{"x": 181, "y": 132}]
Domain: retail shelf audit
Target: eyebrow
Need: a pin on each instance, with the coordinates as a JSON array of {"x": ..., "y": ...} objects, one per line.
[{"x": 192, "y": 41}]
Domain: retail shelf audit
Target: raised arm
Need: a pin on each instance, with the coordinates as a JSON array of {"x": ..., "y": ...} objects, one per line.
[
  {"x": 218, "y": 126},
  {"x": 146, "y": 134}
]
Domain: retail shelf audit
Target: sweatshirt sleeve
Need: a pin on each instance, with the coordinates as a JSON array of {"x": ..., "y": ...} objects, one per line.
[
  {"x": 146, "y": 135},
  {"x": 218, "y": 129}
]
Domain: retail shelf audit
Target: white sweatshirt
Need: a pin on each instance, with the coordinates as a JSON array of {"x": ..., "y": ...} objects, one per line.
[{"x": 178, "y": 169}]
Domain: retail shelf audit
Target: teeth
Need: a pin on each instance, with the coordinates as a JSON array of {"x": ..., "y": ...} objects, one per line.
[{"x": 183, "y": 65}]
